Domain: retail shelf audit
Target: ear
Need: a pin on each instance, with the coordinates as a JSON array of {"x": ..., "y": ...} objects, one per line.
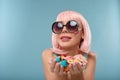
[
  {"x": 82, "y": 35},
  {"x": 82, "y": 39}
]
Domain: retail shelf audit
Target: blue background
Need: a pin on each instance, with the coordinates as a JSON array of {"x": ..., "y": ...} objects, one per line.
[{"x": 25, "y": 31}]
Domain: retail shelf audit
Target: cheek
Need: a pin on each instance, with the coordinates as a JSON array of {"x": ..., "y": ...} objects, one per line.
[
  {"x": 77, "y": 36},
  {"x": 76, "y": 33}
]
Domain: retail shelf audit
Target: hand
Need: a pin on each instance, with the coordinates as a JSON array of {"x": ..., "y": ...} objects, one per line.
[
  {"x": 57, "y": 69},
  {"x": 75, "y": 72}
]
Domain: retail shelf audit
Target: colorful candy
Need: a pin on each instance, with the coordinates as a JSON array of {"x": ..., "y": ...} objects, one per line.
[
  {"x": 66, "y": 60},
  {"x": 64, "y": 63},
  {"x": 58, "y": 59}
]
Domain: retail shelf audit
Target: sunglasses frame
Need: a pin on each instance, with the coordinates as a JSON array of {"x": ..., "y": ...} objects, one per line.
[{"x": 67, "y": 27}]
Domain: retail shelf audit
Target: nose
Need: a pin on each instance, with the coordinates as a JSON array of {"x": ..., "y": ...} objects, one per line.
[{"x": 64, "y": 29}]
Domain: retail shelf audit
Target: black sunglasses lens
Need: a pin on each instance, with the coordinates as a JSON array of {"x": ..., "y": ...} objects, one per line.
[
  {"x": 57, "y": 27},
  {"x": 72, "y": 26}
]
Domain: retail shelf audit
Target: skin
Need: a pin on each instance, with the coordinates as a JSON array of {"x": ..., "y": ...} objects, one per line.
[
  {"x": 54, "y": 71},
  {"x": 73, "y": 44}
]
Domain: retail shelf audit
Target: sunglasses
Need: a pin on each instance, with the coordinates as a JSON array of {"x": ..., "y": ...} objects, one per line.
[{"x": 71, "y": 26}]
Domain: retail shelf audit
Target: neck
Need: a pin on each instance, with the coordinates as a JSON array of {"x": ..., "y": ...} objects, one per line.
[{"x": 71, "y": 51}]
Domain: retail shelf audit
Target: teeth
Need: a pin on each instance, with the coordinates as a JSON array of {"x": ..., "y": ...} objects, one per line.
[{"x": 66, "y": 37}]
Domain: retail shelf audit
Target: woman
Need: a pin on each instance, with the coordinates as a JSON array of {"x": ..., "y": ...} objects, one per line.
[{"x": 71, "y": 38}]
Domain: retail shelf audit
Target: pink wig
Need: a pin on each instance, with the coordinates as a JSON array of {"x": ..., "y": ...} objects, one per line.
[{"x": 85, "y": 46}]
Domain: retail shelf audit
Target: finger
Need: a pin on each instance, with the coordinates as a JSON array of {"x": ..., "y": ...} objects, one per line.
[
  {"x": 61, "y": 69},
  {"x": 64, "y": 73},
  {"x": 79, "y": 67},
  {"x": 57, "y": 68},
  {"x": 71, "y": 68},
  {"x": 52, "y": 63},
  {"x": 83, "y": 58},
  {"x": 51, "y": 60},
  {"x": 75, "y": 68},
  {"x": 69, "y": 74}
]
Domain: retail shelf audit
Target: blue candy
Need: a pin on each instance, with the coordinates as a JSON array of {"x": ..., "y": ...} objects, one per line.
[
  {"x": 58, "y": 59},
  {"x": 64, "y": 63}
]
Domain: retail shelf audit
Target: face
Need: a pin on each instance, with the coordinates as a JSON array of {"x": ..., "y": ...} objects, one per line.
[{"x": 66, "y": 38}]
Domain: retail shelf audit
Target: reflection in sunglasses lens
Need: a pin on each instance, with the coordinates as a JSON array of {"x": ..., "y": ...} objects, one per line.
[{"x": 71, "y": 26}]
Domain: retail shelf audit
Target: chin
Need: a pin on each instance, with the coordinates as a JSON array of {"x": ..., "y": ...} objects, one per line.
[{"x": 66, "y": 45}]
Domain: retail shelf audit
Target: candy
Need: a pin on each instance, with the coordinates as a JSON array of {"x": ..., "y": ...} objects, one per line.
[
  {"x": 64, "y": 63},
  {"x": 66, "y": 69},
  {"x": 58, "y": 59},
  {"x": 66, "y": 60}
]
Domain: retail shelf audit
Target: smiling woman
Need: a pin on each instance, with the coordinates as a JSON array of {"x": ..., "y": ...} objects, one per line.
[
  {"x": 71, "y": 39},
  {"x": 25, "y": 32}
]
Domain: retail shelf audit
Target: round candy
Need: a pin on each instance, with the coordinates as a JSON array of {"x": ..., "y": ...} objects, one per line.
[
  {"x": 64, "y": 63},
  {"x": 58, "y": 59}
]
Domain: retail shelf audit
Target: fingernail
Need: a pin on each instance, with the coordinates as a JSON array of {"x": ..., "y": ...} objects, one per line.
[
  {"x": 49, "y": 62},
  {"x": 74, "y": 64}
]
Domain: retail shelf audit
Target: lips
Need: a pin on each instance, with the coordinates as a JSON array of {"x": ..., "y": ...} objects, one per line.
[{"x": 65, "y": 38}]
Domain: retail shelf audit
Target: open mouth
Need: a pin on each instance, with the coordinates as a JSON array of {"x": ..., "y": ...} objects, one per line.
[{"x": 65, "y": 38}]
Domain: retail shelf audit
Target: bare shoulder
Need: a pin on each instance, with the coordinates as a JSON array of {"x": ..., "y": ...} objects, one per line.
[
  {"x": 92, "y": 54},
  {"x": 47, "y": 53}
]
